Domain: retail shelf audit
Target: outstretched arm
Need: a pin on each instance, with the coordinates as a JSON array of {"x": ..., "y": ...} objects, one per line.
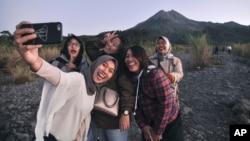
[{"x": 29, "y": 53}]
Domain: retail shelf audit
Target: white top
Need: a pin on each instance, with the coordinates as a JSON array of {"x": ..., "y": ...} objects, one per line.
[
  {"x": 65, "y": 105},
  {"x": 229, "y": 47}
]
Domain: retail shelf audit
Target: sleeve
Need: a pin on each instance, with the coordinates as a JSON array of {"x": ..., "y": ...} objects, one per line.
[
  {"x": 177, "y": 71},
  {"x": 164, "y": 95},
  {"x": 126, "y": 88},
  {"x": 50, "y": 73},
  {"x": 93, "y": 49},
  {"x": 139, "y": 117}
]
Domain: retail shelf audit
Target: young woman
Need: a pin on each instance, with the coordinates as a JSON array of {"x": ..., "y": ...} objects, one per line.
[
  {"x": 156, "y": 108},
  {"x": 67, "y": 98},
  {"x": 170, "y": 64},
  {"x": 71, "y": 57},
  {"x": 106, "y": 127}
]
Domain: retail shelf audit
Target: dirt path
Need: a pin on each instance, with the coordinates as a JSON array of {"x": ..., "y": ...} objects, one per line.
[{"x": 206, "y": 96}]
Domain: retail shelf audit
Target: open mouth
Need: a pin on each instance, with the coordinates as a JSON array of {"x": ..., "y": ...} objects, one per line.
[
  {"x": 101, "y": 75},
  {"x": 161, "y": 48},
  {"x": 73, "y": 51},
  {"x": 130, "y": 64}
]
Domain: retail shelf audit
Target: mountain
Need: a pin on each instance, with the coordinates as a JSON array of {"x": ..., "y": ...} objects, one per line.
[
  {"x": 171, "y": 21},
  {"x": 177, "y": 27}
]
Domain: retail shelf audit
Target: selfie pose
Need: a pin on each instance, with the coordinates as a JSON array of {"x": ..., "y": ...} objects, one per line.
[
  {"x": 67, "y": 98},
  {"x": 156, "y": 109},
  {"x": 103, "y": 126}
]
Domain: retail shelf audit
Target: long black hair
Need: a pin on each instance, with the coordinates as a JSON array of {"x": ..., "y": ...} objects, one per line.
[
  {"x": 121, "y": 48},
  {"x": 140, "y": 54},
  {"x": 119, "y": 55},
  {"x": 66, "y": 53}
]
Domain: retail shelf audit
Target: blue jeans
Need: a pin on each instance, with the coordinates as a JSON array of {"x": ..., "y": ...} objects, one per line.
[{"x": 100, "y": 134}]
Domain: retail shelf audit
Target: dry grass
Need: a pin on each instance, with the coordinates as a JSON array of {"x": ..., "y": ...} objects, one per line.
[
  {"x": 18, "y": 69},
  {"x": 150, "y": 48},
  {"x": 216, "y": 60},
  {"x": 49, "y": 53},
  {"x": 241, "y": 50},
  {"x": 201, "y": 51},
  {"x": 12, "y": 62},
  {"x": 4, "y": 55}
]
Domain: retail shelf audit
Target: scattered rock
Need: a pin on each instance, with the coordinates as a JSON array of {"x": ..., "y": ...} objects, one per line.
[{"x": 211, "y": 99}]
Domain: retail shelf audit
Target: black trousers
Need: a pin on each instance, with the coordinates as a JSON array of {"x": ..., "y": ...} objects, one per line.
[
  {"x": 49, "y": 138},
  {"x": 173, "y": 131}
]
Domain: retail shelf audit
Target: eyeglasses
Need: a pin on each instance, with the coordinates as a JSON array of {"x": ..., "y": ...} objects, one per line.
[{"x": 72, "y": 44}]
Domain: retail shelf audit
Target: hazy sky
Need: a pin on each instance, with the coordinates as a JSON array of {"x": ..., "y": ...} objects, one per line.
[{"x": 90, "y": 17}]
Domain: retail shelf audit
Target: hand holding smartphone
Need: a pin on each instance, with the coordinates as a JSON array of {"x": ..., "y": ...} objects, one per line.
[{"x": 47, "y": 33}]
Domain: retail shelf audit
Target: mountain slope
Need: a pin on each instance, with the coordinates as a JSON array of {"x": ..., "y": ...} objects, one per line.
[
  {"x": 171, "y": 21},
  {"x": 177, "y": 27}
]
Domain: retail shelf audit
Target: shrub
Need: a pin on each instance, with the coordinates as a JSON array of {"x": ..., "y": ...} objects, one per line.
[
  {"x": 150, "y": 48},
  {"x": 48, "y": 53},
  {"x": 241, "y": 50},
  {"x": 200, "y": 50},
  {"x": 20, "y": 71},
  {"x": 5, "y": 50}
]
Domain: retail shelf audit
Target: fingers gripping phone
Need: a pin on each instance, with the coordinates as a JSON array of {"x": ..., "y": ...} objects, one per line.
[{"x": 47, "y": 33}]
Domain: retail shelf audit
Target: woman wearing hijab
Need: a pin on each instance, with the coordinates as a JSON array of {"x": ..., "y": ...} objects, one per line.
[
  {"x": 103, "y": 126},
  {"x": 170, "y": 64},
  {"x": 67, "y": 98}
]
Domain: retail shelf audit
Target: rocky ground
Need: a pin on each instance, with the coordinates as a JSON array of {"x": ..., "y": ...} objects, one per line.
[{"x": 209, "y": 99}]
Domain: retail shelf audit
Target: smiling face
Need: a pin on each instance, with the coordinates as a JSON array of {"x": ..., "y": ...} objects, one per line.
[
  {"x": 104, "y": 71},
  {"x": 162, "y": 46},
  {"x": 73, "y": 47},
  {"x": 132, "y": 62},
  {"x": 112, "y": 46}
]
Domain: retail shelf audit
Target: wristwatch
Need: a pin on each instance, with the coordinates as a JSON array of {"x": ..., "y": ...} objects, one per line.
[{"x": 125, "y": 112}]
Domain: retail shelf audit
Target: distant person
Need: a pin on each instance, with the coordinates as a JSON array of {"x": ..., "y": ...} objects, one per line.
[
  {"x": 229, "y": 49},
  {"x": 157, "y": 111},
  {"x": 213, "y": 51},
  {"x": 103, "y": 126},
  {"x": 216, "y": 50},
  {"x": 67, "y": 98},
  {"x": 171, "y": 65},
  {"x": 223, "y": 49}
]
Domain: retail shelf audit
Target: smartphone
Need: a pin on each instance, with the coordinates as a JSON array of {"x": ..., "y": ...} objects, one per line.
[{"x": 47, "y": 33}]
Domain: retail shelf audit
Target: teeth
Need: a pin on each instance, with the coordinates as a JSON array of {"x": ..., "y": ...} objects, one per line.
[
  {"x": 101, "y": 75},
  {"x": 131, "y": 64}
]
